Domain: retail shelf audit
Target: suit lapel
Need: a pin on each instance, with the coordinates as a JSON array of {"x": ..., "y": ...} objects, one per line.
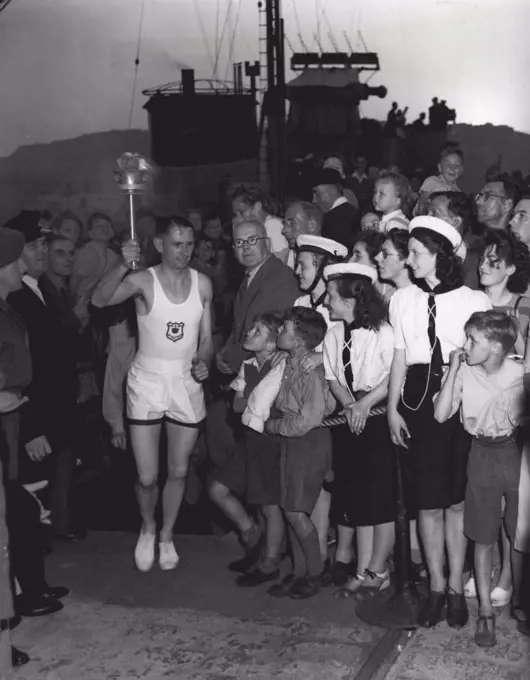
[{"x": 246, "y": 296}]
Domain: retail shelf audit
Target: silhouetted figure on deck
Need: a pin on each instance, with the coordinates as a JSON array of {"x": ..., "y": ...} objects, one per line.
[
  {"x": 440, "y": 114},
  {"x": 419, "y": 124},
  {"x": 390, "y": 127}
]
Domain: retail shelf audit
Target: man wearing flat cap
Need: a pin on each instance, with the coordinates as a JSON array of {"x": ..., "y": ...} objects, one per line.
[
  {"x": 49, "y": 434},
  {"x": 341, "y": 219}
]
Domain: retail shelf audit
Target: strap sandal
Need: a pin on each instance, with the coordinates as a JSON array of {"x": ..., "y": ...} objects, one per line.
[{"x": 350, "y": 588}]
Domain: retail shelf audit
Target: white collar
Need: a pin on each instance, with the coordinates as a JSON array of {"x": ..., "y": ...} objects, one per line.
[
  {"x": 389, "y": 216},
  {"x": 340, "y": 200},
  {"x": 34, "y": 285},
  {"x": 361, "y": 178}
]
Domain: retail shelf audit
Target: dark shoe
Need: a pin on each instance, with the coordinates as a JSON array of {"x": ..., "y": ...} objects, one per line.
[
  {"x": 18, "y": 658},
  {"x": 304, "y": 588},
  {"x": 457, "y": 614},
  {"x": 485, "y": 633},
  {"x": 55, "y": 592},
  {"x": 37, "y": 606},
  {"x": 256, "y": 578},
  {"x": 518, "y": 613},
  {"x": 282, "y": 589},
  {"x": 432, "y": 610},
  {"x": 76, "y": 535},
  {"x": 252, "y": 555},
  {"x": 325, "y": 576},
  {"x": 340, "y": 573}
]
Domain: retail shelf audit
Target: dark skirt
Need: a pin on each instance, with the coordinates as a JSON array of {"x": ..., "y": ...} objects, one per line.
[
  {"x": 364, "y": 489},
  {"x": 434, "y": 468}
]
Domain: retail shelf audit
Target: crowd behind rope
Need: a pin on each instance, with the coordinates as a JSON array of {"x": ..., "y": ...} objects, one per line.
[{"x": 377, "y": 291}]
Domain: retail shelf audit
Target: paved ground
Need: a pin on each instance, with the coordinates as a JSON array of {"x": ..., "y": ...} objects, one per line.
[
  {"x": 195, "y": 624},
  {"x": 192, "y": 623}
]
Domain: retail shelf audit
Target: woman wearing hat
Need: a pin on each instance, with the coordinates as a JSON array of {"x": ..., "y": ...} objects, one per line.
[
  {"x": 428, "y": 319},
  {"x": 314, "y": 254},
  {"x": 357, "y": 358}
]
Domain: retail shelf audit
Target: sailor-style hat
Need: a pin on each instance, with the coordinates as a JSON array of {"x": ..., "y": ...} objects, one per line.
[
  {"x": 443, "y": 229},
  {"x": 336, "y": 271},
  {"x": 318, "y": 244}
]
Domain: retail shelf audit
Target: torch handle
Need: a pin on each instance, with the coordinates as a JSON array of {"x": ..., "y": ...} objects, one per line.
[{"x": 134, "y": 265}]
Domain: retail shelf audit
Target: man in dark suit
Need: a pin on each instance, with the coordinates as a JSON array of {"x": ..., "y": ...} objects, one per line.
[
  {"x": 341, "y": 219},
  {"x": 49, "y": 432},
  {"x": 268, "y": 286}
]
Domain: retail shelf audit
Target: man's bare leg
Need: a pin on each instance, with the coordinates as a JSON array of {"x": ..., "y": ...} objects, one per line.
[
  {"x": 145, "y": 442},
  {"x": 180, "y": 442}
]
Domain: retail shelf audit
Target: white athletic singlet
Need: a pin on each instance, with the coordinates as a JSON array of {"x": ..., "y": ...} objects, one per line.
[
  {"x": 160, "y": 384},
  {"x": 170, "y": 332}
]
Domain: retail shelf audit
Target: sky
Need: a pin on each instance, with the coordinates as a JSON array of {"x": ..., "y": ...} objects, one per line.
[{"x": 67, "y": 66}]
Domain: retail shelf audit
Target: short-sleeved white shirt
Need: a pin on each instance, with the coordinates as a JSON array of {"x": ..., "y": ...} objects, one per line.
[
  {"x": 490, "y": 405},
  {"x": 305, "y": 301},
  {"x": 393, "y": 220},
  {"x": 436, "y": 183},
  {"x": 274, "y": 227},
  {"x": 409, "y": 316},
  {"x": 371, "y": 355}
]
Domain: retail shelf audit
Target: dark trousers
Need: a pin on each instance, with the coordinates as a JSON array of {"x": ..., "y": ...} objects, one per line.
[{"x": 25, "y": 541}]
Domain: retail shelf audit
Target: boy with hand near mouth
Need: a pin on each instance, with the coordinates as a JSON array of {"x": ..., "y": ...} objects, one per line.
[
  {"x": 487, "y": 387},
  {"x": 304, "y": 400}
]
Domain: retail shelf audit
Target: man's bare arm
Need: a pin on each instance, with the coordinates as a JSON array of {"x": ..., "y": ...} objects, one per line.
[{"x": 115, "y": 287}]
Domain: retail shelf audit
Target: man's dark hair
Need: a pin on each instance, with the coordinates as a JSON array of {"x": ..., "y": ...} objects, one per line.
[
  {"x": 512, "y": 252},
  {"x": 497, "y": 326},
  {"x": 55, "y": 238},
  {"x": 310, "y": 325},
  {"x": 251, "y": 194},
  {"x": 463, "y": 206},
  {"x": 311, "y": 211},
  {"x": 97, "y": 216},
  {"x": 62, "y": 217},
  {"x": 165, "y": 224},
  {"x": 511, "y": 189}
]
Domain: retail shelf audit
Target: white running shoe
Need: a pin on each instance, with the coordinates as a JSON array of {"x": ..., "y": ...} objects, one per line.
[
  {"x": 168, "y": 555},
  {"x": 144, "y": 553}
]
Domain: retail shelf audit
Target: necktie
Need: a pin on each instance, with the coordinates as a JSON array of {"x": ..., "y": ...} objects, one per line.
[
  {"x": 434, "y": 341},
  {"x": 346, "y": 356}
]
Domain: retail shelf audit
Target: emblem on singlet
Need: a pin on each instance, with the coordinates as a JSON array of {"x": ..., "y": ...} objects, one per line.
[{"x": 175, "y": 331}]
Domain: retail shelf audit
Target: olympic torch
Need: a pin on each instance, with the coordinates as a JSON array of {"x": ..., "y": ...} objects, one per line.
[{"x": 132, "y": 174}]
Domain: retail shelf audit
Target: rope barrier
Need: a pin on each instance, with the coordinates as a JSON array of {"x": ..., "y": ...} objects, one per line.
[{"x": 341, "y": 420}]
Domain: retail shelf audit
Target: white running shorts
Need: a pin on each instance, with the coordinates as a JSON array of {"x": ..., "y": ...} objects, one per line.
[{"x": 153, "y": 396}]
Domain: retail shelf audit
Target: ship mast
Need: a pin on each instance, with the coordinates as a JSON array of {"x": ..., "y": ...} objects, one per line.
[{"x": 272, "y": 122}]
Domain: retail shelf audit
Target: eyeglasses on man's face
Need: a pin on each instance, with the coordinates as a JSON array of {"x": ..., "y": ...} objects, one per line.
[
  {"x": 250, "y": 241},
  {"x": 484, "y": 196}
]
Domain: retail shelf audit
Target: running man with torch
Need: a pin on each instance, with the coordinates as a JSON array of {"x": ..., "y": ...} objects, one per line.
[{"x": 175, "y": 348}]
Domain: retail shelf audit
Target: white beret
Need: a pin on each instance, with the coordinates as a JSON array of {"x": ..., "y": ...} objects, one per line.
[
  {"x": 319, "y": 244},
  {"x": 336, "y": 271}
]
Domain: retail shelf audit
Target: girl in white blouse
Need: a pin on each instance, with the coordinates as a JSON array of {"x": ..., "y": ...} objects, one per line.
[
  {"x": 428, "y": 319},
  {"x": 357, "y": 359}
]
